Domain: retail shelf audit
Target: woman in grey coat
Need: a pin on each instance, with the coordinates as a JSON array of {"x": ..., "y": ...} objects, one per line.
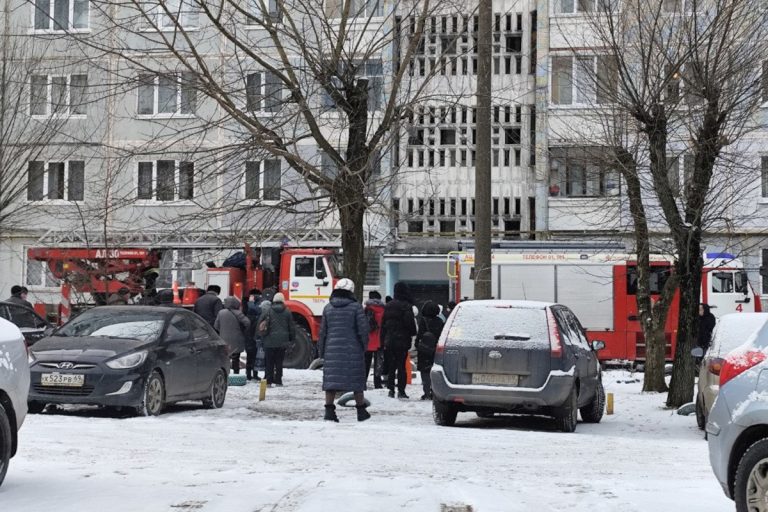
[
  {"x": 342, "y": 344},
  {"x": 232, "y": 325}
]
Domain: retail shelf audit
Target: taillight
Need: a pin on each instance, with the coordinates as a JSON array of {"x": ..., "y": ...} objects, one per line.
[
  {"x": 737, "y": 364},
  {"x": 715, "y": 365},
  {"x": 440, "y": 348},
  {"x": 555, "y": 344}
]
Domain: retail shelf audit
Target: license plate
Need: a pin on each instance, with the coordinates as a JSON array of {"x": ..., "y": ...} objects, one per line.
[
  {"x": 62, "y": 379},
  {"x": 495, "y": 379}
]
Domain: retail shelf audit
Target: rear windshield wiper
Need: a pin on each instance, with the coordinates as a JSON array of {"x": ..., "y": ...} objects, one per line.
[{"x": 513, "y": 337}]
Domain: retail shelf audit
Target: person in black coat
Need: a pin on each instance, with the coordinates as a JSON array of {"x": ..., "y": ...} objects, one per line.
[
  {"x": 398, "y": 327},
  {"x": 252, "y": 311},
  {"x": 430, "y": 328},
  {"x": 707, "y": 323},
  {"x": 342, "y": 344},
  {"x": 209, "y": 305}
]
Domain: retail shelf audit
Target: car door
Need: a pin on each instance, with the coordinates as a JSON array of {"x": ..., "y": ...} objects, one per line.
[
  {"x": 591, "y": 366},
  {"x": 209, "y": 351},
  {"x": 310, "y": 282},
  {"x": 569, "y": 330},
  {"x": 178, "y": 358},
  {"x": 29, "y": 323}
]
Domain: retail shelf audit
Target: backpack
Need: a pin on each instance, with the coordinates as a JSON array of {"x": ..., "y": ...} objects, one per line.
[
  {"x": 265, "y": 324},
  {"x": 373, "y": 325},
  {"x": 427, "y": 340}
]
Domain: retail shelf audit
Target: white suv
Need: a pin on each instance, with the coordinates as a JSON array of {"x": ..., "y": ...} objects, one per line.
[{"x": 14, "y": 388}]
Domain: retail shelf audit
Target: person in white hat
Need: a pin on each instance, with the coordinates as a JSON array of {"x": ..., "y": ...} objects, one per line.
[{"x": 342, "y": 345}]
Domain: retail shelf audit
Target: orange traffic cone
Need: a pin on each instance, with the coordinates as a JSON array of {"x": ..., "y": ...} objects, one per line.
[
  {"x": 176, "y": 298},
  {"x": 408, "y": 376},
  {"x": 190, "y": 294}
]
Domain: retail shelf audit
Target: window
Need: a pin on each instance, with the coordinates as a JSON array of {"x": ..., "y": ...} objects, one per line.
[
  {"x": 659, "y": 276},
  {"x": 722, "y": 282},
  {"x": 172, "y": 14},
  {"x": 584, "y": 80},
  {"x": 764, "y": 81},
  {"x": 38, "y": 274},
  {"x": 673, "y": 174},
  {"x": 171, "y": 94},
  {"x": 60, "y": 15},
  {"x": 764, "y": 176},
  {"x": 304, "y": 267},
  {"x": 256, "y": 15},
  {"x": 764, "y": 267},
  {"x": 56, "y": 180},
  {"x": 176, "y": 265},
  {"x": 512, "y": 135},
  {"x": 264, "y": 92},
  {"x": 263, "y": 180},
  {"x": 447, "y": 137},
  {"x": 57, "y": 95},
  {"x": 578, "y": 6},
  {"x": 581, "y": 172},
  {"x": 166, "y": 180},
  {"x": 357, "y": 9},
  {"x": 371, "y": 70}
]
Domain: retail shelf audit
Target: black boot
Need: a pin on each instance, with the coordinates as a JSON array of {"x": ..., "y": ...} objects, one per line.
[
  {"x": 362, "y": 413},
  {"x": 248, "y": 374},
  {"x": 330, "y": 413}
]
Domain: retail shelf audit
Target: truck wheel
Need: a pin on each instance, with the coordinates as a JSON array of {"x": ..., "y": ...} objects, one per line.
[
  {"x": 298, "y": 354},
  {"x": 593, "y": 411},
  {"x": 6, "y": 443},
  {"x": 444, "y": 414},
  {"x": 567, "y": 416}
]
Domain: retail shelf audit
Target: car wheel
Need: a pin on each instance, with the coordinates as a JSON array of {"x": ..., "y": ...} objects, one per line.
[
  {"x": 444, "y": 414},
  {"x": 6, "y": 443},
  {"x": 751, "y": 483},
  {"x": 153, "y": 399},
  {"x": 701, "y": 418},
  {"x": 567, "y": 416},
  {"x": 299, "y": 353},
  {"x": 593, "y": 411},
  {"x": 35, "y": 407},
  {"x": 218, "y": 391}
]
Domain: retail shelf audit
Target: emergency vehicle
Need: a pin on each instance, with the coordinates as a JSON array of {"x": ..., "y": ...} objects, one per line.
[{"x": 601, "y": 289}]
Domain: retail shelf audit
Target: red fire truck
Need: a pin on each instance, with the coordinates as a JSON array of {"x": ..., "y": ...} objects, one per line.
[
  {"x": 305, "y": 276},
  {"x": 601, "y": 288}
]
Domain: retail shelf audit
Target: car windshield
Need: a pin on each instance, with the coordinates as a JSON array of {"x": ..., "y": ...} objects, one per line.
[
  {"x": 110, "y": 323},
  {"x": 490, "y": 323}
]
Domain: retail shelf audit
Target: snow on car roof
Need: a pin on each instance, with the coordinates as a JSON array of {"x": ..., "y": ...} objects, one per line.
[
  {"x": 498, "y": 303},
  {"x": 9, "y": 332}
]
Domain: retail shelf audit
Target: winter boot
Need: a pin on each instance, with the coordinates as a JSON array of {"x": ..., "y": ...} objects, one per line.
[
  {"x": 248, "y": 374},
  {"x": 362, "y": 413},
  {"x": 330, "y": 413},
  {"x": 391, "y": 393},
  {"x": 401, "y": 394}
]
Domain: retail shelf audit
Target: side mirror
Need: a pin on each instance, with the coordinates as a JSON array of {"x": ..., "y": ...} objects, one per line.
[
  {"x": 321, "y": 275},
  {"x": 598, "y": 345},
  {"x": 697, "y": 352}
]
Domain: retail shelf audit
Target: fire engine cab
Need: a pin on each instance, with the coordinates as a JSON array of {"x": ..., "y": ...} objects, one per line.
[{"x": 601, "y": 289}]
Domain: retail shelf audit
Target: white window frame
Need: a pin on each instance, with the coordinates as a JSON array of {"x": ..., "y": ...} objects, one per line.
[
  {"x": 47, "y": 281},
  {"x": 70, "y": 19},
  {"x": 176, "y": 185},
  {"x": 556, "y": 11},
  {"x": 262, "y": 175},
  {"x": 49, "y": 97},
  {"x": 46, "y": 182},
  {"x": 164, "y": 23},
  {"x": 332, "y": 9},
  {"x": 262, "y": 110},
  {"x": 591, "y": 86},
  {"x": 156, "y": 99},
  {"x": 254, "y": 9}
]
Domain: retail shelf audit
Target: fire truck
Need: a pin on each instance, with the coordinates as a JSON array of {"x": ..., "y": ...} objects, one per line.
[
  {"x": 305, "y": 276},
  {"x": 601, "y": 289}
]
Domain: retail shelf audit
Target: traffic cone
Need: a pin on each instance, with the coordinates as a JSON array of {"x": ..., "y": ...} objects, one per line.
[
  {"x": 176, "y": 298},
  {"x": 191, "y": 294},
  {"x": 408, "y": 376}
]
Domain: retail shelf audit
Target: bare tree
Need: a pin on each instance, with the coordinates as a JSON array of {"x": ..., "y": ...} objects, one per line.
[{"x": 325, "y": 87}]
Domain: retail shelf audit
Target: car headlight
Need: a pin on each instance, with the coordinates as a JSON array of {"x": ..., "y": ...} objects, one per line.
[{"x": 130, "y": 361}]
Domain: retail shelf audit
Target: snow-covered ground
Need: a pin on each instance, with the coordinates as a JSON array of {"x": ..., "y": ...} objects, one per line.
[{"x": 278, "y": 455}]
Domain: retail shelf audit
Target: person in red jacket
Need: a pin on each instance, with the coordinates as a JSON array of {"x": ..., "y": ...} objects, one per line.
[{"x": 374, "y": 311}]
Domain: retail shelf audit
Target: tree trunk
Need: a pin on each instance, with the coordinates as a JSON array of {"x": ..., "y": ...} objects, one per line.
[
  {"x": 483, "y": 147},
  {"x": 689, "y": 272},
  {"x": 351, "y": 215}
]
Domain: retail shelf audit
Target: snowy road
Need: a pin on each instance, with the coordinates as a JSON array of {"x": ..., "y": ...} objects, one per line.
[{"x": 279, "y": 455}]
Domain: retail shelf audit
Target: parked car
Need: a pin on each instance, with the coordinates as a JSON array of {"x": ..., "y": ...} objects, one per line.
[
  {"x": 516, "y": 357},
  {"x": 731, "y": 331},
  {"x": 14, "y": 386},
  {"x": 32, "y": 325},
  {"x": 737, "y": 427},
  {"x": 130, "y": 356}
]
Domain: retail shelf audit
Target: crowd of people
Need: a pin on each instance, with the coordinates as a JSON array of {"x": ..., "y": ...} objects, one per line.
[{"x": 356, "y": 339}]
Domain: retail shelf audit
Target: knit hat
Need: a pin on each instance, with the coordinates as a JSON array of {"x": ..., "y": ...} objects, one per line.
[
  {"x": 278, "y": 298},
  {"x": 345, "y": 284}
]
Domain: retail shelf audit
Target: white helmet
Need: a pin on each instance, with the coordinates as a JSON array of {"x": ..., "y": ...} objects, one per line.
[{"x": 345, "y": 284}]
